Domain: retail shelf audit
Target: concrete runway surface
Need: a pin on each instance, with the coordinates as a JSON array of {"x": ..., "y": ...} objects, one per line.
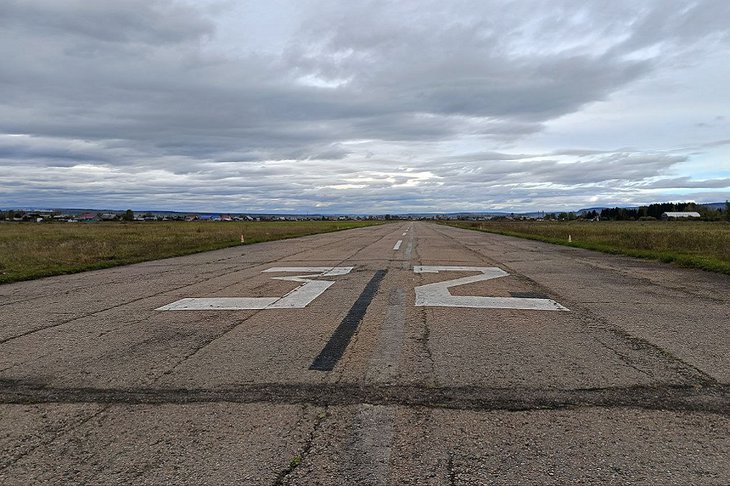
[{"x": 539, "y": 365}]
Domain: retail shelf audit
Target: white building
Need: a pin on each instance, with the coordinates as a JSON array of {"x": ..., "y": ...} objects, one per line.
[{"x": 680, "y": 215}]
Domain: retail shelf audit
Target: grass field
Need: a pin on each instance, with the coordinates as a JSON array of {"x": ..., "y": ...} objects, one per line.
[
  {"x": 695, "y": 244},
  {"x": 30, "y": 251}
]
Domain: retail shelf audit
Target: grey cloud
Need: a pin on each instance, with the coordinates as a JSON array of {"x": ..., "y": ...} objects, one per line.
[
  {"x": 584, "y": 152},
  {"x": 458, "y": 68},
  {"x": 717, "y": 143},
  {"x": 149, "y": 22},
  {"x": 407, "y": 84},
  {"x": 688, "y": 183},
  {"x": 486, "y": 156},
  {"x": 613, "y": 167},
  {"x": 130, "y": 99},
  {"x": 589, "y": 169},
  {"x": 680, "y": 23}
]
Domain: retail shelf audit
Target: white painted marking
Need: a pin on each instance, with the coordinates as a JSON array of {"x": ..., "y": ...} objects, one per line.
[
  {"x": 405, "y": 233},
  {"x": 397, "y": 245},
  {"x": 221, "y": 303},
  {"x": 298, "y": 298},
  {"x": 322, "y": 270},
  {"x": 337, "y": 271},
  {"x": 498, "y": 272},
  {"x": 438, "y": 295}
]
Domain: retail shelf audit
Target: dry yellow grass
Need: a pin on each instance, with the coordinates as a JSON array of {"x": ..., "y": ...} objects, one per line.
[
  {"x": 697, "y": 244},
  {"x": 36, "y": 250}
]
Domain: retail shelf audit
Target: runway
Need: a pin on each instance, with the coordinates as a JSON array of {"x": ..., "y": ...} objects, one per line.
[{"x": 408, "y": 353}]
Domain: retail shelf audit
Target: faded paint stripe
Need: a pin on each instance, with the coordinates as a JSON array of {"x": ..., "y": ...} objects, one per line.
[{"x": 220, "y": 303}]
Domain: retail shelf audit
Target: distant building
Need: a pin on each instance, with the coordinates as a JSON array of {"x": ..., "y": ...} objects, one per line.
[
  {"x": 680, "y": 215},
  {"x": 88, "y": 217}
]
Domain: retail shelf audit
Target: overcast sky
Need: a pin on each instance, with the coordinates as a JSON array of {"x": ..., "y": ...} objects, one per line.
[{"x": 363, "y": 106}]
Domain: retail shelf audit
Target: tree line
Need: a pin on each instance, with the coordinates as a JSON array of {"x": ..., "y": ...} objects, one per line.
[
  {"x": 644, "y": 213},
  {"x": 655, "y": 211}
]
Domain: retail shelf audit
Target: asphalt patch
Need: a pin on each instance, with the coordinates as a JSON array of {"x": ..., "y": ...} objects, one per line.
[
  {"x": 335, "y": 347},
  {"x": 709, "y": 399}
]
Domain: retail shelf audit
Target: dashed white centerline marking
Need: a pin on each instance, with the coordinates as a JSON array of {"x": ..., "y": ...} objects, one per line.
[
  {"x": 397, "y": 245},
  {"x": 405, "y": 233}
]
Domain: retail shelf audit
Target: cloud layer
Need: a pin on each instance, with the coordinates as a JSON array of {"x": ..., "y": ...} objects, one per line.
[{"x": 362, "y": 106}]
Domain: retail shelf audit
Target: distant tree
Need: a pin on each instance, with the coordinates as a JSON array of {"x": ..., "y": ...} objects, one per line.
[
  {"x": 656, "y": 210},
  {"x": 727, "y": 210},
  {"x": 707, "y": 214},
  {"x": 128, "y": 215}
]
